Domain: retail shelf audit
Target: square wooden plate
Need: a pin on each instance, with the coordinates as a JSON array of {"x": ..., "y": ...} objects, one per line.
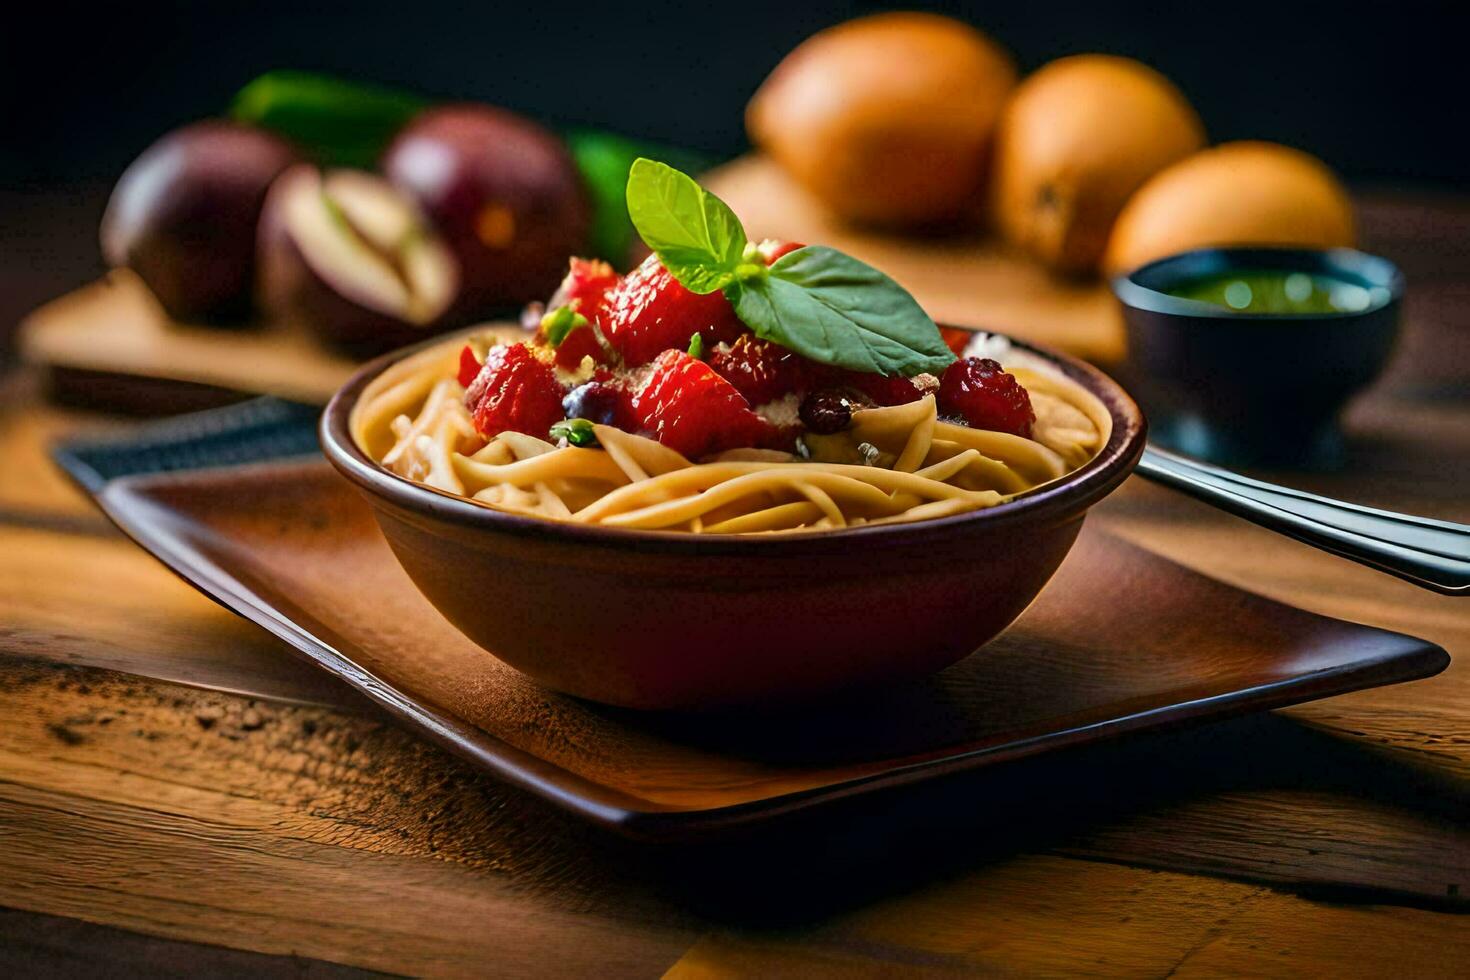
[{"x": 1120, "y": 641}]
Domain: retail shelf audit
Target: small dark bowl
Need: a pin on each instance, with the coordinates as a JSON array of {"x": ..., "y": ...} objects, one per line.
[
  {"x": 664, "y": 619},
  {"x": 1250, "y": 388}
]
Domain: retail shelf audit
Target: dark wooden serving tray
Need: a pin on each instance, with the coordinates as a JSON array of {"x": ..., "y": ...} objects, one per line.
[{"x": 1121, "y": 641}]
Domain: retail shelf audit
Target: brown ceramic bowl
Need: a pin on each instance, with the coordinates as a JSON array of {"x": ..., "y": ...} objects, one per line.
[{"x": 665, "y": 619}]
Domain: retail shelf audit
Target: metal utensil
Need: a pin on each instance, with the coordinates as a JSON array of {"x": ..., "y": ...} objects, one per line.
[{"x": 1432, "y": 554}]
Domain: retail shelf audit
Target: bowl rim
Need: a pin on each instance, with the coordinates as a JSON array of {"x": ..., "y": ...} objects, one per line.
[
  {"x": 1133, "y": 290},
  {"x": 1061, "y": 498}
]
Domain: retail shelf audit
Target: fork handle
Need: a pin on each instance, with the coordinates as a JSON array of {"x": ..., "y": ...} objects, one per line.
[{"x": 1432, "y": 554}]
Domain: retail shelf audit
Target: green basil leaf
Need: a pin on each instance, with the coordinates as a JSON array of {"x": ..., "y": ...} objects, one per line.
[
  {"x": 695, "y": 234},
  {"x": 577, "y": 432},
  {"x": 830, "y": 307},
  {"x": 559, "y": 322},
  {"x": 604, "y": 160}
]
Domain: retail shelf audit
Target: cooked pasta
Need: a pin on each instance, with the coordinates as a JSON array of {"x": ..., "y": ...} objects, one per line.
[{"x": 901, "y": 463}]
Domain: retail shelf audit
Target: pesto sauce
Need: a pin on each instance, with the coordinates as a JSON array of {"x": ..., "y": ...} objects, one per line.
[{"x": 1279, "y": 291}]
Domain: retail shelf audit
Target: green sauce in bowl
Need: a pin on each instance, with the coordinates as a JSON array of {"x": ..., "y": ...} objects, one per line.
[{"x": 1275, "y": 291}]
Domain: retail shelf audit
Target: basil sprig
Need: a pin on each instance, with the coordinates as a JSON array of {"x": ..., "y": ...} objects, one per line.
[
  {"x": 817, "y": 301},
  {"x": 696, "y": 235}
]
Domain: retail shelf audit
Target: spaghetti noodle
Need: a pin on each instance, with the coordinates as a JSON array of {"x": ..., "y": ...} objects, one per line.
[{"x": 900, "y": 463}]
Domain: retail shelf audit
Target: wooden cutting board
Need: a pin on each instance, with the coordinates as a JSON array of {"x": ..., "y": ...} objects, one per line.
[
  {"x": 113, "y": 328},
  {"x": 112, "y": 331}
]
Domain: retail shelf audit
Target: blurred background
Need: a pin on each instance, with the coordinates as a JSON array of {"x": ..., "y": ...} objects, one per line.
[{"x": 1373, "y": 90}]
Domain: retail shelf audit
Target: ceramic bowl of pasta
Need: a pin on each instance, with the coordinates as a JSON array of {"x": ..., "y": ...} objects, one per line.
[
  {"x": 695, "y": 486},
  {"x": 630, "y": 574}
]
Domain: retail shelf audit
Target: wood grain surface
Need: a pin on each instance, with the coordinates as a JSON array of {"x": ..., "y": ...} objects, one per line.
[{"x": 1325, "y": 839}]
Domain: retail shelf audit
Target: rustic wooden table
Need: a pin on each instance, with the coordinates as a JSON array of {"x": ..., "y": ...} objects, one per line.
[{"x": 155, "y": 827}]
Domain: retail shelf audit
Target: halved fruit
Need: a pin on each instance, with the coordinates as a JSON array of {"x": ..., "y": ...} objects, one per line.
[{"x": 350, "y": 258}]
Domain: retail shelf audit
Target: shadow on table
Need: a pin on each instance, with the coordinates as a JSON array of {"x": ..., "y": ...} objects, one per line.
[{"x": 837, "y": 857}]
